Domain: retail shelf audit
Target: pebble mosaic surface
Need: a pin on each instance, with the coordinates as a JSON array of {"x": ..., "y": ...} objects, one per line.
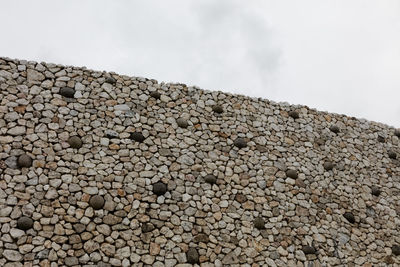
[{"x": 109, "y": 170}]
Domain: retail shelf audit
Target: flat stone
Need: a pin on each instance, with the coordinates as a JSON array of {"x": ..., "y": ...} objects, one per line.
[
  {"x": 71, "y": 261},
  {"x": 292, "y": 174},
  {"x": 201, "y": 238},
  {"x": 24, "y": 161},
  {"x": 349, "y": 217},
  {"x": 240, "y": 198},
  {"x": 192, "y": 256},
  {"x": 211, "y": 179},
  {"x": 17, "y": 130},
  {"x": 34, "y": 76},
  {"x": 96, "y": 202},
  {"x": 75, "y": 142},
  {"x": 24, "y": 223},
  {"x": 136, "y": 136},
  {"x": 67, "y": 92},
  {"x": 240, "y": 142},
  {"x": 12, "y": 255},
  {"x": 159, "y": 188},
  {"x": 111, "y": 219},
  {"x": 182, "y": 123},
  {"x": 217, "y": 109}
]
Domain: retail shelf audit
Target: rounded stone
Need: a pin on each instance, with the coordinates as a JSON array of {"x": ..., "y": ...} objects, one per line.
[
  {"x": 392, "y": 154},
  {"x": 240, "y": 142},
  {"x": 147, "y": 227},
  {"x": 24, "y": 161},
  {"x": 381, "y": 139},
  {"x": 309, "y": 250},
  {"x": 397, "y": 133},
  {"x": 328, "y": 165},
  {"x": 349, "y": 217},
  {"x": 211, "y": 179},
  {"x": 334, "y": 129},
  {"x": 182, "y": 123},
  {"x": 159, "y": 188},
  {"x": 259, "y": 223},
  {"x": 396, "y": 250},
  {"x": 240, "y": 198},
  {"x": 217, "y": 109},
  {"x": 292, "y": 174},
  {"x": 110, "y": 80},
  {"x": 24, "y": 223},
  {"x": 294, "y": 114},
  {"x": 67, "y": 92},
  {"x": 138, "y": 137},
  {"x": 96, "y": 202},
  {"x": 155, "y": 95},
  {"x": 75, "y": 142},
  {"x": 192, "y": 256},
  {"x": 375, "y": 191}
]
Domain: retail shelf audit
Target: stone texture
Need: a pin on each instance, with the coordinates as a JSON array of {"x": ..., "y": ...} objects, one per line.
[
  {"x": 159, "y": 188},
  {"x": 349, "y": 217},
  {"x": 240, "y": 142},
  {"x": 182, "y": 123},
  {"x": 24, "y": 161},
  {"x": 75, "y": 142},
  {"x": 67, "y": 92},
  {"x": 96, "y": 202},
  {"x": 138, "y": 137},
  {"x": 294, "y": 114},
  {"x": 292, "y": 174},
  {"x": 334, "y": 129},
  {"x": 24, "y": 223},
  {"x": 211, "y": 179},
  {"x": 218, "y": 109},
  {"x": 259, "y": 223},
  {"x": 192, "y": 256}
]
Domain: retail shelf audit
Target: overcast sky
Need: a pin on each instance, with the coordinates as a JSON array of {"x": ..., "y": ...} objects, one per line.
[{"x": 339, "y": 56}]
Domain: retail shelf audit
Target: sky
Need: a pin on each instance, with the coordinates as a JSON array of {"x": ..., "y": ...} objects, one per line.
[{"x": 335, "y": 55}]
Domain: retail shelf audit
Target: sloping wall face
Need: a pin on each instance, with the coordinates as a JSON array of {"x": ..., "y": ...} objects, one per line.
[{"x": 103, "y": 169}]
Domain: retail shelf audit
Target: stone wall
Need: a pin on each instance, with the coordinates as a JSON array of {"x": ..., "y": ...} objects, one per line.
[{"x": 109, "y": 170}]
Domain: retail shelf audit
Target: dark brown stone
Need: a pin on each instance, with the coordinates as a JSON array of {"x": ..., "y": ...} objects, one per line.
[
  {"x": 240, "y": 198},
  {"x": 75, "y": 142},
  {"x": 159, "y": 188},
  {"x": 96, "y": 202},
  {"x": 217, "y": 109},
  {"x": 309, "y": 250},
  {"x": 259, "y": 223},
  {"x": 138, "y": 137},
  {"x": 396, "y": 250},
  {"x": 334, "y": 129},
  {"x": 67, "y": 92},
  {"x": 182, "y": 123},
  {"x": 397, "y": 133},
  {"x": 392, "y": 154},
  {"x": 192, "y": 256},
  {"x": 294, "y": 114},
  {"x": 24, "y": 223},
  {"x": 375, "y": 191},
  {"x": 147, "y": 227},
  {"x": 24, "y": 161},
  {"x": 155, "y": 95},
  {"x": 240, "y": 142},
  {"x": 381, "y": 139},
  {"x": 110, "y": 80},
  {"x": 328, "y": 165},
  {"x": 201, "y": 238},
  {"x": 349, "y": 217},
  {"x": 292, "y": 174},
  {"x": 211, "y": 179}
]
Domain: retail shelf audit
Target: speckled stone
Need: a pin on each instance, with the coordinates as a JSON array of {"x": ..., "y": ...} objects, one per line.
[
  {"x": 396, "y": 250},
  {"x": 217, "y": 109},
  {"x": 334, "y": 129},
  {"x": 24, "y": 161},
  {"x": 294, "y": 114},
  {"x": 211, "y": 179},
  {"x": 192, "y": 256},
  {"x": 309, "y": 250},
  {"x": 75, "y": 142},
  {"x": 155, "y": 95},
  {"x": 349, "y": 217},
  {"x": 381, "y": 139},
  {"x": 24, "y": 223},
  {"x": 182, "y": 123},
  {"x": 240, "y": 198},
  {"x": 328, "y": 165},
  {"x": 138, "y": 137},
  {"x": 375, "y": 191},
  {"x": 240, "y": 142},
  {"x": 147, "y": 227},
  {"x": 259, "y": 223},
  {"x": 67, "y": 92},
  {"x": 392, "y": 154},
  {"x": 110, "y": 80},
  {"x": 96, "y": 202},
  {"x": 159, "y": 188},
  {"x": 292, "y": 174}
]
